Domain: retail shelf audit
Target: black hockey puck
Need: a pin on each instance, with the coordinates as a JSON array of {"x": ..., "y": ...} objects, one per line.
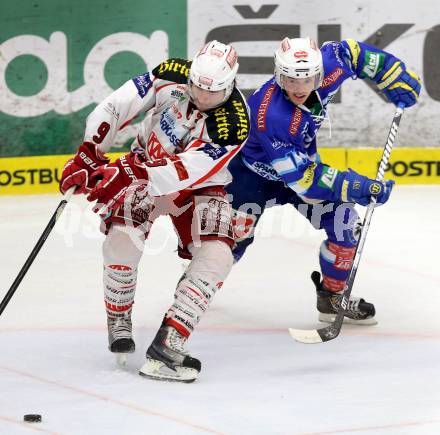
[{"x": 32, "y": 418}]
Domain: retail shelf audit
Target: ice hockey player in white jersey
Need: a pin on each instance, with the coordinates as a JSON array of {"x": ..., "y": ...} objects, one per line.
[{"x": 196, "y": 122}]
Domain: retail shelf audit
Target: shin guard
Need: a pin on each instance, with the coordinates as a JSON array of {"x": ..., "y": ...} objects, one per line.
[
  {"x": 335, "y": 261},
  {"x": 210, "y": 266}
]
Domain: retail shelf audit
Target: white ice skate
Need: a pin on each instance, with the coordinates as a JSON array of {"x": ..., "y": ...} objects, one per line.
[
  {"x": 120, "y": 340},
  {"x": 167, "y": 359}
]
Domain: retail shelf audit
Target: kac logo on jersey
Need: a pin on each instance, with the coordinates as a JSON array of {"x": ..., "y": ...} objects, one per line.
[
  {"x": 143, "y": 84},
  {"x": 154, "y": 147},
  {"x": 214, "y": 153}
]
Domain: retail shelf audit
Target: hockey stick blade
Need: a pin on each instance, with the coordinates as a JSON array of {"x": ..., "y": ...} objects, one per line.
[{"x": 313, "y": 336}]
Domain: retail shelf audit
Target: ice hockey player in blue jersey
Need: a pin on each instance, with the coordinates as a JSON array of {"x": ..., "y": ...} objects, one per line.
[{"x": 280, "y": 162}]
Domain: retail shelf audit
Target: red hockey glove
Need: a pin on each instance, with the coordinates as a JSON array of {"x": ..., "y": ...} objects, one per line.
[
  {"x": 112, "y": 181},
  {"x": 77, "y": 170}
]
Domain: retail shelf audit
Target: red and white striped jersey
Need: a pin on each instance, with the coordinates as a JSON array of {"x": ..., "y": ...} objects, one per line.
[{"x": 186, "y": 148}]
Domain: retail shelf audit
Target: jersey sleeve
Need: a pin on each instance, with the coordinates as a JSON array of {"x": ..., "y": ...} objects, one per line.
[
  {"x": 311, "y": 180},
  {"x": 190, "y": 168},
  {"x": 225, "y": 132},
  {"x": 119, "y": 109},
  {"x": 136, "y": 96},
  {"x": 370, "y": 62}
]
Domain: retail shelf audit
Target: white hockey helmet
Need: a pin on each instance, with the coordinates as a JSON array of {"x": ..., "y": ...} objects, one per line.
[
  {"x": 214, "y": 68},
  {"x": 298, "y": 58}
]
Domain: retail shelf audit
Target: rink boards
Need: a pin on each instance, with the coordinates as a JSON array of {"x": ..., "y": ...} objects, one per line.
[{"x": 41, "y": 174}]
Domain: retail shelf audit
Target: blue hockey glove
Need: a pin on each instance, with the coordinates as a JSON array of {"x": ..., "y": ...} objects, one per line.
[
  {"x": 359, "y": 189},
  {"x": 401, "y": 85}
]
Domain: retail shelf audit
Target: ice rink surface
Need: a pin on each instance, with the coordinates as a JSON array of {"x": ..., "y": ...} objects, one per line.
[{"x": 255, "y": 379}]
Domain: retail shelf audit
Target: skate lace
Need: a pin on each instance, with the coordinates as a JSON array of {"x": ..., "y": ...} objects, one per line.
[
  {"x": 121, "y": 327},
  {"x": 176, "y": 341},
  {"x": 353, "y": 305}
]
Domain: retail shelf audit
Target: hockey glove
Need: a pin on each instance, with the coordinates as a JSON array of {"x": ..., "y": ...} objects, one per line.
[
  {"x": 359, "y": 189},
  {"x": 114, "y": 179},
  {"x": 78, "y": 169},
  {"x": 401, "y": 85}
]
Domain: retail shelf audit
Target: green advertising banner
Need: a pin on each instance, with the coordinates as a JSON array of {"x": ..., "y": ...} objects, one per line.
[{"x": 59, "y": 58}]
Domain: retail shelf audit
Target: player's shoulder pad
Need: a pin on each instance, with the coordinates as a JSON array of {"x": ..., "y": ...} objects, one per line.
[
  {"x": 174, "y": 70},
  {"x": 352, "y": 51},
  {"x": 336, "y": 52},
  {"x": 229, "y": 123}
]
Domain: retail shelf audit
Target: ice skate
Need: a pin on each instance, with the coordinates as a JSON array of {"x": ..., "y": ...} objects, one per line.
[
  {"x": 120, "y": 340},
  {"x": 168, "y": 360},
  {"x": 359, "y": 312}
]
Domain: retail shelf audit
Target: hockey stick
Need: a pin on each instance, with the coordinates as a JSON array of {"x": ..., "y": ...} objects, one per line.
[
  {"x": 330, "y": 332},
  {"x": 36, "y": 249}
]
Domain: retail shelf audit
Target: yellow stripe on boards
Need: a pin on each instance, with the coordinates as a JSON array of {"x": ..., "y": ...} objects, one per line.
[{"x": 37, "y": 175}]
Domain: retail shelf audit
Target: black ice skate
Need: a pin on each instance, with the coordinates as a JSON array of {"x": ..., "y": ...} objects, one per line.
[
  {"x": 120, "y": 340},
  {"x": 168, "y": 360},
  {"x": 358, "y": 312}
]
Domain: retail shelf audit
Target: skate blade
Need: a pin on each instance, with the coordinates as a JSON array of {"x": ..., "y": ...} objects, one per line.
[
  {"x": 155, "y": 369},
  {"x": 329, "y": 318},
  {"x": 121, "y": 359}
]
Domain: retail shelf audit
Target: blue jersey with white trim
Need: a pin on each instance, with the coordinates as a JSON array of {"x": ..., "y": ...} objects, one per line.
[{"x": 282, "y": 142}]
